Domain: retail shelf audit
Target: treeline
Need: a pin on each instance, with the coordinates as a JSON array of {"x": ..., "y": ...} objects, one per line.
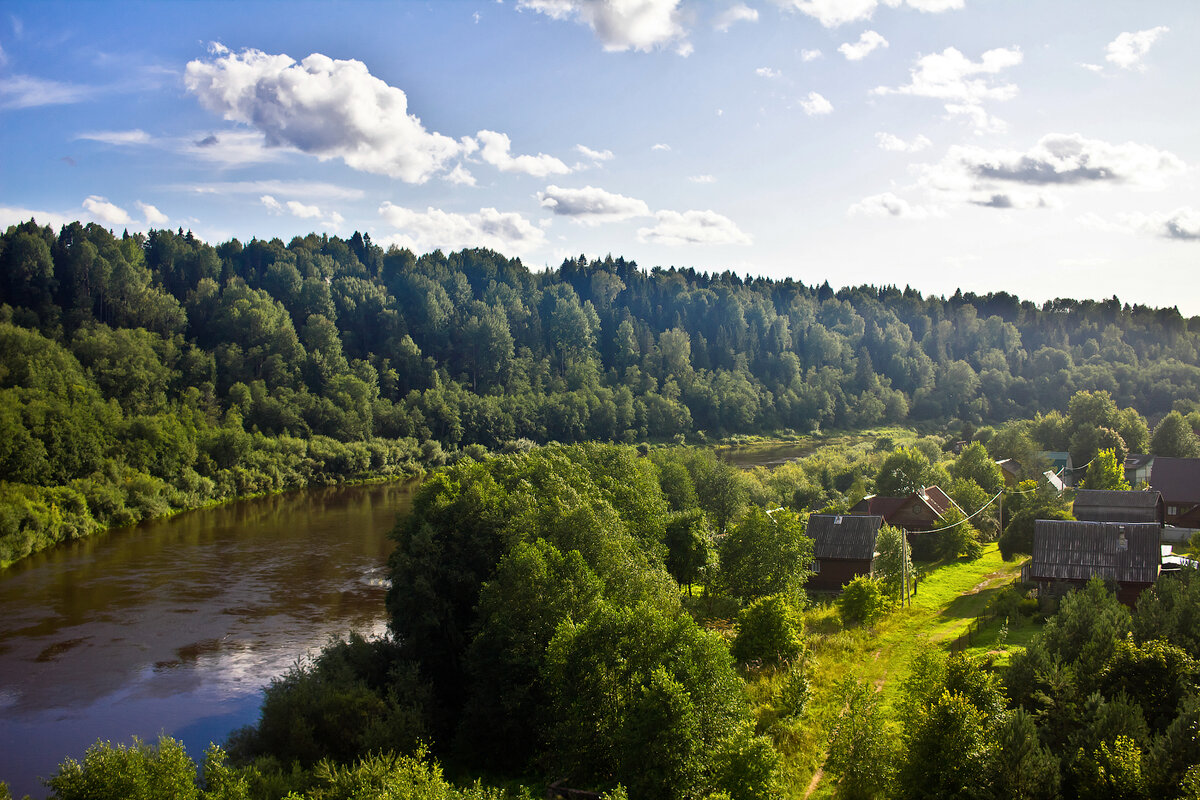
[{"x": 144, "y": 373}]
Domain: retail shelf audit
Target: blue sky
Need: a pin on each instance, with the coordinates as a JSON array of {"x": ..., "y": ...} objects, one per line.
[{"x": 1046, "y": 149}]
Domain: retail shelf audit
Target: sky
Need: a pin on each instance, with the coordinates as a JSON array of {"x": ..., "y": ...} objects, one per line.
[{"x": 1046, "y": 149}]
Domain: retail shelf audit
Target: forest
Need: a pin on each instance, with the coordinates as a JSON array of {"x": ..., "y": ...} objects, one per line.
[
  {"x": 143, "y": 374},
  {"x": 579, "y": 597}
]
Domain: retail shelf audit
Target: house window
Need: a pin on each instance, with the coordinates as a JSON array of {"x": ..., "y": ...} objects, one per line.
[
  {"x": 816, "y": 568},
  {"x": 1172, "y": 510}
]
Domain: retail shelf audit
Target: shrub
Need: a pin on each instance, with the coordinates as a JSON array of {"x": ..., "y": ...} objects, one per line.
[
  {"x": 769, "y": 629},
  {"x": 862, "y": 601}
]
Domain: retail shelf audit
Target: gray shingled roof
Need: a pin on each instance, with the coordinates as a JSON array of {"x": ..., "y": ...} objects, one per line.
[
  {"x": 1104, "y": 505},
  {"x": 844, "y": 536},
  {"x": 1127, "y": 552}
]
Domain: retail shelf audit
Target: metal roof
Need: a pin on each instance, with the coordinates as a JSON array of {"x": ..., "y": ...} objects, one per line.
[
  {"x": 850, "y": 536},
  {"x": 1127, "y": 552},
  {"x": 1178, "y": 479},
  {"x": 1104, "y": 505}
]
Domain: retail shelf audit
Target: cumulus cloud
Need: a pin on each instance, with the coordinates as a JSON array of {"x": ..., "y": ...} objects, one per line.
[
  {"x": 734, "y": 14},
  {"x": 495, "y": 149},
  {"x": 810, "y": 55},
  {"x": 303, "y": 211},
  {"x": 867, "y": 42},
  {"x": 693, "y": 227},
  {"x": 15, "y": 215},
  {"x": 1182, "y": 224},
  {"x": 1071, "y": 159},
  {"x": 1126, "y": 50},
  {"x": 895, "y": 144},
  {"x": 461, "y": 176},
  {"x": 832, "y": 13},
  {"x": 816, "y": 105},
  {"x": 767, "y": 72},
  {"x": 594, "y": 155},
  {"x": 151, "y": 214},
  {"x": 422, "y": 231},
  {"x": 963, "y": 85},
  {"x": 888, "y": 204},
  {"x": 323, "y": 107},
  {"x": 103, "y": 211},
  {"x": 26, "y": 91},
  {"x": 592, "y": 205},
  {"x": 621, "y": 24}
]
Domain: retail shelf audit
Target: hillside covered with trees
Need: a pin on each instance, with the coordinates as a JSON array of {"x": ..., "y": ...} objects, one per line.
[{"x": 142, "y": 374}]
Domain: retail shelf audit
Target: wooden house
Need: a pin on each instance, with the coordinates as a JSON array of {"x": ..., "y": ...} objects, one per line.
[
  {"x": 1102, "y": 505},
  {"x": 1178, "y": 481},
  {"x": 1068, "y": 553},
  {"x": 1011, "y": 470},
  {"x": 843, "y": 549},
  {"x": 1137, "y": 468},
  {"x": 919, "y": 511}
]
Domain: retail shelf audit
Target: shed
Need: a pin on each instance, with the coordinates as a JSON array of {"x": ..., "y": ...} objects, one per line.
[
  {"x": 843, "y": 549},
  {"x": 1103, "y": 505},
  {"x": 1178, "y": 481},
  {"x": 1067, "y": 553}
]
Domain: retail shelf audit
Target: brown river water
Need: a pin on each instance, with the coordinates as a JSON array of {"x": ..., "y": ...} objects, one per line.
[{"x": 176, "y": 626}]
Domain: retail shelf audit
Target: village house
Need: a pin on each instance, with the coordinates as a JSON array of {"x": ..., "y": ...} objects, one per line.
[
  {"x": 843, "y": 549},
  {"x": 1068, "y": 553},
  {"x": 1103, "y": 505},
  {"x": 1178, "y": 481},
  {"x": 1137, "y": 469},
  {"x": 918, "y": 512}
]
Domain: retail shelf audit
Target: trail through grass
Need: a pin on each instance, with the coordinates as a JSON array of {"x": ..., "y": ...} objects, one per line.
[{"x": 948, "y": 600}]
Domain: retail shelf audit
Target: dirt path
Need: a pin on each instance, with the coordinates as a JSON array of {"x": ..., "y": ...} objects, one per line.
[{"x": 814, "y": 783}]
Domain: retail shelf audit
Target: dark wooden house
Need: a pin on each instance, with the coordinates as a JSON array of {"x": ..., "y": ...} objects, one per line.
[
  {"x": 1103, "y": 505},
  {"x": 1068, "y": 553},
  {"x": 1178, "y": 481},
  {"x": 919, "y": 511},
  {"x": 843, "y": 549}
]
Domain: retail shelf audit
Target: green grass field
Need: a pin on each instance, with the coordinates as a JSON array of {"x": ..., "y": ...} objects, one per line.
[{"x": 944, "y": 613}]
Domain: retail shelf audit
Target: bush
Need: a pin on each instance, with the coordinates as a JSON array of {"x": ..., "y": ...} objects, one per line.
[
  {"x": 770, "y": 630},
  {"x": 862, "y": 601}
]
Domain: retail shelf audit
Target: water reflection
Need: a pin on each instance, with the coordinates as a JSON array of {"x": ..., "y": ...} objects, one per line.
[{"x": 176, "y": 626}]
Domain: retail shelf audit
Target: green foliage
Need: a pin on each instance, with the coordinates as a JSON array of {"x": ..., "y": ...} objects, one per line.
[
  {"x": 1032, "y": 501},
  {"x": 862, "y": 601},
  {"x": 1105, "y": 472},
  {"x": 139, "y": 771},
  {"x": 690, "y": 547},
  {"x": 956, "y": 537},
  {"x": 765, "y": 554},
  {"x": 389, "y": 777},
  {"x": 769, "y": 631},
  {"x": 861, "y": 753},
  {"x": 903, "y": 472},
  {"x": 1113, "y": 770},
  {"x": 893, "y": 561},
  {"x": 976, "y": 464},
  {"x": 1174, "y": 438}
]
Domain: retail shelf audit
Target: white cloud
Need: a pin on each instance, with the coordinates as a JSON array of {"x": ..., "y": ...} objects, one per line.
[
  {"x": 1066, "y": 159},
  {"x": 888, "y": 205},
  {"x": 12, "y": 215},
  {"x": 105, "y": 212},
  {"x": 26, "y": 91},
  {"x": 594, "y": 155},
  {"x": 963, "y": 84},
  {"x": 229, "y": 148},
  {"x": 702, "y": 179},
  {"x": 832, "y": 13},
  {"x": 867, "y": 42},
  {"x": 816, "y": 105},
  {"x": 323, "y": 107},
  {"x": 734, "y": 14},
  {"x": 661, "y": 146},
  {"x": 1182, "y": 224},
  {"x": 300, "y": 210},
  {"x": 621, "y": 24},
  {"x": 693, "y": 227},
  {"x": 131, "y": 137},
  {"x": 592, "y": 205},
  {"x": 422, "y": 231},
  {"x": 461, "y": 176},
  {"x": 809, "y": 55},
  {"x": 495, "y": 150},
  {"x": 895, "y": 144},
  {"x": 1126, "y": 50},
  {"x": 151, "y": 214},
  {"x": 767, "y": 72},
  {"x": 307, "y": 189},
  {"x": 1092, "y": 67}
]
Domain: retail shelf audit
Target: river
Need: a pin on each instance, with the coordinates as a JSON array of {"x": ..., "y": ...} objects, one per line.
[{"x": 176, "y": 626}]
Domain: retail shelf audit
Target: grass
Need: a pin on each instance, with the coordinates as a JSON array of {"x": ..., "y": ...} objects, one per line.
[{"x": 944, "y": 612}]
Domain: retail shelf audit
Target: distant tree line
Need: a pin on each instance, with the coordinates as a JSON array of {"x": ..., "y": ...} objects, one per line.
[{"x": 142, "y": 373}]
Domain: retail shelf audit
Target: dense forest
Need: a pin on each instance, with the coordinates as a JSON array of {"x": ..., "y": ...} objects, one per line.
[{"x": 142, "y": 374}]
